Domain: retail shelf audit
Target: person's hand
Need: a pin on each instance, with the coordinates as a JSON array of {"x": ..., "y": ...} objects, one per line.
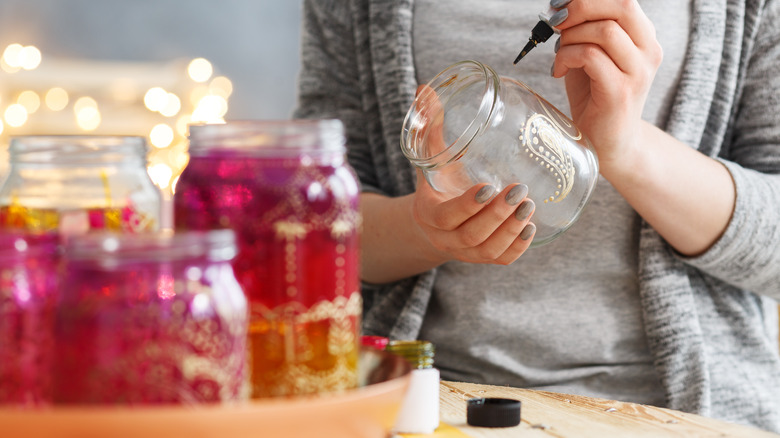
[
  {"x": 477, "y": 226},
  {"x": 609, "y": 56},
  {"x": 472, "y": 227}
]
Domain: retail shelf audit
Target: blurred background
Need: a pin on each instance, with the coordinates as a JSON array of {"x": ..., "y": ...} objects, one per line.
[{"x": 144, "y": 67}]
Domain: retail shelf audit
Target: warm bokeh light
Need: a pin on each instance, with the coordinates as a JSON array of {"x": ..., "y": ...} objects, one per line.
[
  {"x": 29, "y": 58},
  {"x": 173, "y": 184},
  {"x": 160, "y": 174},
  {"x": 11, "y": 55},
  {"x": 88, "y": 118},
  {"x": 182, "y": 124},
  {"x": 200, "y": 70},
  {"x": 84, "y": 102},
  {"x": 221, "y": 86},
  {"x": 56, "y": 99},
  {"x": 198, "y": 93},
  {"x": 172, "y": 105},
  {"x": 161, "y": 136},
  {"x": 123, "y": 93},
  {"x": 178, "y": 157},
  {"x": 29, "y": 100},
  {"x": 16, "y": 56},
  {"x": 15, "y": 115},
  {"x": 210, "y": 109},
  {"x": 155, "y": 98}
]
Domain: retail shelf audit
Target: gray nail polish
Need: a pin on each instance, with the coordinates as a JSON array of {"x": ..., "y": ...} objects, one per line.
[
  {"x": 518, "y": 192},
  {"x": 524, "y": 210},
  {"x": 559, "y": 3},
  {"x": 528, "y": 231},
  {"x": 484, "y": 194},
  {"x": 559, "y": 17},
  {"x": 557, "y": 45}
]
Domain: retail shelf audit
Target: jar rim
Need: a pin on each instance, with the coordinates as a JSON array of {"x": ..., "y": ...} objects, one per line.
[
  {"x": 444, "y": 81},
  {"x": 16, "y": 243},
  {"x": 112, "y": 249},
  {"x": 64, "y": 149},
  {"x": 261, "y": 137}
]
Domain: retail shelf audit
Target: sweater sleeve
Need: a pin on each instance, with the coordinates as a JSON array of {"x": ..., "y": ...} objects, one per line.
[
  {"x": 329, "y": 82},
  {"x": 748, "y": 253}
]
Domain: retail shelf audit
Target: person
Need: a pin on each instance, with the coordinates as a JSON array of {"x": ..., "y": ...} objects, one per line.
[{"x": 664, "y": 290}]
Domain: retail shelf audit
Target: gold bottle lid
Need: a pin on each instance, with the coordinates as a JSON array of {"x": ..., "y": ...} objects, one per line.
[{"x": 418, "y": 353}]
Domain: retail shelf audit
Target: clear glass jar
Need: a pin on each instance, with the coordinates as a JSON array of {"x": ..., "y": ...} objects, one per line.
[
  {"x": 28, "y": 294},
  {"x": 75, "y": 184},
  {"x": 470, "y": 126},
  {"x": 152, "y": 318},
  {"x": 286, "y": 189}
]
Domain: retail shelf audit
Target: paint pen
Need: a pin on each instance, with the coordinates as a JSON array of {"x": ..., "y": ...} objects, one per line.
[{"x": 543, "y": 30}]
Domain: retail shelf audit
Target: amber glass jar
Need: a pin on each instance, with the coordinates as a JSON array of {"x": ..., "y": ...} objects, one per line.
[
  {"x": 286, "y": 189},
  {"x": 76, "y": 184}
]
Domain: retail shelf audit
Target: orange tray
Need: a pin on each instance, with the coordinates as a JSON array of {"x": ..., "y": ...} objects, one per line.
[{"x": 366, "y": 412}]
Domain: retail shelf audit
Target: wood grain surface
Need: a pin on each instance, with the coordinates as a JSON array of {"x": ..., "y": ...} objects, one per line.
[{"x": 547, "y": 414}]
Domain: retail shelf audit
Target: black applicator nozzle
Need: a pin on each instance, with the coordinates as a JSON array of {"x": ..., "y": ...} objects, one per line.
[{"x": 539, "y": 34}]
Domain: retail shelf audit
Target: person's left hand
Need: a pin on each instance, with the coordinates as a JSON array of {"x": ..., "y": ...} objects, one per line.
[{"x": 609, "y": 56}]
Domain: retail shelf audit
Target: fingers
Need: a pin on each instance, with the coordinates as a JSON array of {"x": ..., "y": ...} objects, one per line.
[
  {"x": 627, "y": 13},
  {"x": 619, "y": 28},
  {"x": 607, "y": 36},
  {"x": 495, "y": 231},
  {"x": 433, "y": 210},
  {"x": 592, "y": 59}
]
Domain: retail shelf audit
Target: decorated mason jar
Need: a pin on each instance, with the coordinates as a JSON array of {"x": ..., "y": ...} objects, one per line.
[
  {"x": 77, "y": 184},
  {"x": 286, "y": 189},
  {"x": 152, "y": 318},
  {"x": 469, "y": 126},
  {"x": 28, "y": 293}
]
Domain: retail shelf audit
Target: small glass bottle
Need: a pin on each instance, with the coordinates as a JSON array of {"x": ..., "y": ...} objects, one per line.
[
  {"x": 420, "y": 408},
  {"x": 76, "y": 184},
  {"x": 286, "y": 189},
  {"x": 152, "y": 318},
  {"x": 468, "y": 126},
  {"x": 28, "y": 294}
]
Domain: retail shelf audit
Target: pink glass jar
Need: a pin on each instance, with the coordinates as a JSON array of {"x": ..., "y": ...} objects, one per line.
[
  {"x": 28, "y": 282},
  {"x": 286, "y": 189},
  {"x": 151, "y": 319}
]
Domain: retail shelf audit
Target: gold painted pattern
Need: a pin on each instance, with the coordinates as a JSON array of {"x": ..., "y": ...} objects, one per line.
[
  {"x": 287, "y": 328},
  {"x": 544, "y": 138}
]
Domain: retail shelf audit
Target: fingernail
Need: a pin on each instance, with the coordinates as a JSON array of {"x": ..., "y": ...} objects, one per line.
[
  {"x": 559, "y": 17},
  {"x": 557, "y": 45},
  {"x": 518, "y": 192},
  {"x": 528, "y": 231},
  {"x": 552, "y": 70},
  {"x": 524, "y": 210},
  {"x": 484, "y": 194},
  {"x": 559, "y": 3}
]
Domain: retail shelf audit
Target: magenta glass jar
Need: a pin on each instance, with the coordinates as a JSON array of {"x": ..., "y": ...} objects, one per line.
[
  {"x": 150, "y": 319},
  {"x": 28, "y": 286},
  {"x": 285, "y": 187}
]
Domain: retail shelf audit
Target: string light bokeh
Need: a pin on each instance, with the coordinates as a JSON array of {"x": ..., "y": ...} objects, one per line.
[{"x": 41, "y": 95}]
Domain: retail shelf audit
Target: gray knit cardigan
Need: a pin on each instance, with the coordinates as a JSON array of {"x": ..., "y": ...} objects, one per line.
[{"x": 710, "y": 323}]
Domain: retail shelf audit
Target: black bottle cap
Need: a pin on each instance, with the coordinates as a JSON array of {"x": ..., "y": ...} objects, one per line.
[{"x": 493, "y": 412}]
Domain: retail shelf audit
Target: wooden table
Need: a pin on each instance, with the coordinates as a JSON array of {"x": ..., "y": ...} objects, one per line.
[{"x": 547, "y": 414}]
